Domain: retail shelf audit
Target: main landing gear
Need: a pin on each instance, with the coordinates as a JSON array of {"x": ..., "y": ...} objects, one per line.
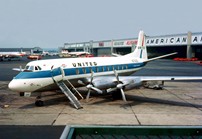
[{"x": 116, "y": 95}]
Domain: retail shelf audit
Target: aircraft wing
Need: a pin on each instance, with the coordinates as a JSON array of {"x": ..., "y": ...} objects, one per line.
[
  {"x": 127, "y": 80},
  {"x": 168, "y": 78},
  {"x": 138, "y": 80}
]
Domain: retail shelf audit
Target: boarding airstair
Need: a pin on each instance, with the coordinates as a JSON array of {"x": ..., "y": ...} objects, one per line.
[
  {"x": 69, "y": 94},
  {"x": 57, "y": 76}
]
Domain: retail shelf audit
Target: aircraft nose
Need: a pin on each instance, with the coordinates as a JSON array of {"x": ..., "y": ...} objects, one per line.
[{"x": 12, "y": 86}]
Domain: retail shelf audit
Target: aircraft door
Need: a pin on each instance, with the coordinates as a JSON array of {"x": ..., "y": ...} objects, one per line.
[{"x": 58, "y": 74}]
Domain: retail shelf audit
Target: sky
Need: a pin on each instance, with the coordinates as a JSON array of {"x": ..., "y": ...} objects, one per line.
[{"x": 51, "y": 23}]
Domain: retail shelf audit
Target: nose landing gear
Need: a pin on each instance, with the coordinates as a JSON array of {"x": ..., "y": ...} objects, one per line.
[{"x": 39, "y": 102}]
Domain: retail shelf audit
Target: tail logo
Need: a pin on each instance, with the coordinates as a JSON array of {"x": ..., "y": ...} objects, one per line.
[{"x": 142, "y": 47}]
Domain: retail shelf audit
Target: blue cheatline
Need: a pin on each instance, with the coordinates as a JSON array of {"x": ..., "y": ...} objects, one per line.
[{"x": 77, "y": 71}]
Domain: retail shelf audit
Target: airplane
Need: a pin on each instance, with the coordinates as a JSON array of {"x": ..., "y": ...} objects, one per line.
[
  {"x": 100, "y": 74},
  {"x": 11, "y": 55},
  {"x": 67, "y": 54}
]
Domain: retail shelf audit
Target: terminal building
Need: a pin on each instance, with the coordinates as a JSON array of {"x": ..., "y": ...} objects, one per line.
[
  {"x": 35, "y": 50},
  {"x": 187, "y": 45}
]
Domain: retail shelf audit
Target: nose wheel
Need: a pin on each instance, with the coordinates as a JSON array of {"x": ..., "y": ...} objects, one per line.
[{"x": 39, "y": 102}]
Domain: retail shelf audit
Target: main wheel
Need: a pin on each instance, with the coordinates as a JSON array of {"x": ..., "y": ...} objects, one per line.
[
  {"x": 39, "y": 103},
  {"x": 117, "y": 95}
]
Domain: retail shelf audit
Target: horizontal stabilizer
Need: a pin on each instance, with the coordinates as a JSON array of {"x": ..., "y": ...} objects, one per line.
[
  {"x": 151, "y": 59},
  {"x": 18, "y": 69},
  {"x": 116, "y": 55}
]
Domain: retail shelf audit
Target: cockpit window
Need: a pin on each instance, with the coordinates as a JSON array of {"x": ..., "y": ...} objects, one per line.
[
  {"x": 29, "y": 68},
  {"x": 37, "y": 68}
]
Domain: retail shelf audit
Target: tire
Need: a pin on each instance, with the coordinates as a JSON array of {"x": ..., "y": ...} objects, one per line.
[
  {"x": 117, "y": 95},
  {"x": 39, "y": 103}
]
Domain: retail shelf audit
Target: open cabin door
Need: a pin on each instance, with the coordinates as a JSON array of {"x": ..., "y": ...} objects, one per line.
[{"x": 58, "y": 74}]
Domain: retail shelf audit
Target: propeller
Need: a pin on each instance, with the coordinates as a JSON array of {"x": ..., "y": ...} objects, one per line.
[
  {"x": 91, "y": 87},
  {"x": 118, "y": 86}
]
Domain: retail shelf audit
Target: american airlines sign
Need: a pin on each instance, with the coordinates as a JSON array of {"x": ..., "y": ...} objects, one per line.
[
  {"x": 196, "y": 39},
  {"x": 176, "y": 40},
  {"x": 156, "y": 41}
]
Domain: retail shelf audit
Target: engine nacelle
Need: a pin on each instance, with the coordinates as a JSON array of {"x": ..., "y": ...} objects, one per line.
[{"x": 103, "y": 83}]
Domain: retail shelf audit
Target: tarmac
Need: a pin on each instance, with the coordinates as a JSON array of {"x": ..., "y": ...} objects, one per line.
[{"x": 179, "y": 103}]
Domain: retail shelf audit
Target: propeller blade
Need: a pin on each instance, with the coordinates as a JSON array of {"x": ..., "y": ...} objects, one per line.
[
  {"x": 123, "y": 95},
  {"x": 97, "y": 90},
  {"x": 111, "y": 90},
  {"x": 162, "y": 83},
  {"x": 116, "y": 74},
  {"x": 92, "y": 75},
  {"x": 90, "y": 86},
  {"x": 88, "y": 95}
]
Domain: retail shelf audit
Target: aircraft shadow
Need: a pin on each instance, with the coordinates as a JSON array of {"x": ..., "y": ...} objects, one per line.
[
  {"x": 136, "y": 100},
  {"x": 139, "y": 99},
  {"x": 49, "y": 102},
  {"x": 132, "y": 100}
]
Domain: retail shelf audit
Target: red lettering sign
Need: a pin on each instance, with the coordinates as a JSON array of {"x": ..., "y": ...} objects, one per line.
[{"x": 131, "y": 42}]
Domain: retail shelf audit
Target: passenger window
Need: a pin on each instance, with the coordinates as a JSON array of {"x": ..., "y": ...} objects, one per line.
[
  {"x": 122, "y": 67},
  {"x": 90, "y": 70},
  {"x": 102, "y": 68},
  {"x": 117, "y": 67},
  {"x": 77, "y": 71},
  {"x": 107, "y": 68},
  {"x": 96, "y": 69},
  {"x": 84, "y": 70}
]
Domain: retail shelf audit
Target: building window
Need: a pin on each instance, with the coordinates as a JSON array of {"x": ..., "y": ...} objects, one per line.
[{"x": 101, "y": 43}]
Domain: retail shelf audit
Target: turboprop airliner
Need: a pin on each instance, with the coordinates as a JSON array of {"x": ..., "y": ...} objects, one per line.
[
  {"x": 11, "y": 55},
  {"x": 101, "y": 74}
]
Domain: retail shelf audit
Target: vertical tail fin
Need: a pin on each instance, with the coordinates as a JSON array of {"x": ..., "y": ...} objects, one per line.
[{"x": 140, "y": 51}]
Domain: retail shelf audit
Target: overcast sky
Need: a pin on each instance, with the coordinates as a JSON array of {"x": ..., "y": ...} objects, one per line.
[{"x": 51, "y": 23}]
